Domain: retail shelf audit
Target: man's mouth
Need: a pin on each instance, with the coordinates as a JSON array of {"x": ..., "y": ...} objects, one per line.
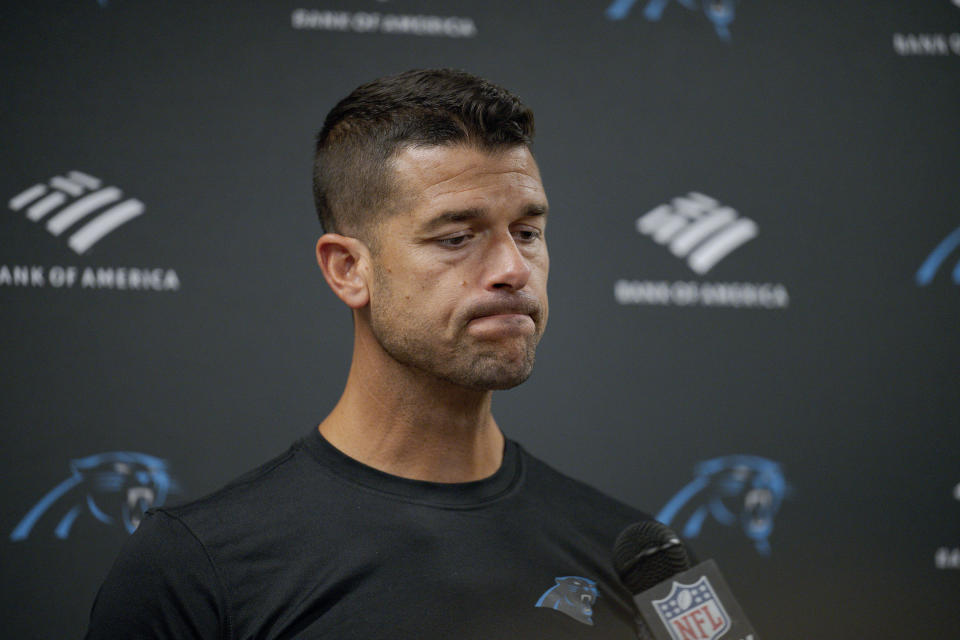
[
  {"x": 520, "y": 306},
  {"x": 504, "y": 315},
  {"x": 503, "y": 324}
]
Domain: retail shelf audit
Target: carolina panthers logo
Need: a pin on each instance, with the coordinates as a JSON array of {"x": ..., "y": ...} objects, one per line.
[
  {"x": 573, "y": 596},
  {"x": 719, "y": 12},
  {"x": 114, "y": 487},
  {"x": 744, "y": 489}
]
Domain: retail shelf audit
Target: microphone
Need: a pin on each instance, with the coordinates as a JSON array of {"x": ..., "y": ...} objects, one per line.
[{"x": 675, "y": 601}]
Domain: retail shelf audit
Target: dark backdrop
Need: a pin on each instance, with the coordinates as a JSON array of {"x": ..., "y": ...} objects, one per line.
[{"x": 198, "y": 330}]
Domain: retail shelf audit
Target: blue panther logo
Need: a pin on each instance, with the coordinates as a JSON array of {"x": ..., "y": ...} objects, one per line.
[
  {"x": 573, "y": 596},
  {"x": 937, "y": 257},
  {"x": 748, "y": 489},
  {"x": 117, "y": 486},
  {"x": 719, "y": 12}
]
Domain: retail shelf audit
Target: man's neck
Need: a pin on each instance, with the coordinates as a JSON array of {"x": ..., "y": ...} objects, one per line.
[{"x": 409, "y": 424}]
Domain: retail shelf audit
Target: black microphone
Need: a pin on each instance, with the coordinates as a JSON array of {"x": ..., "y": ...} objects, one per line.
[{"x": 675, "y": 601}]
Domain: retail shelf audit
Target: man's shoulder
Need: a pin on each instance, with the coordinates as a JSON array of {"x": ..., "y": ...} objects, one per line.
[
  {"x": 580, "y": 500},
  {"x": 258, "y": 494}
]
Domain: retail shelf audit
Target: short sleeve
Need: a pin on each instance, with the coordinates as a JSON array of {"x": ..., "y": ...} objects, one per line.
[{"x": 162, "y": 585}]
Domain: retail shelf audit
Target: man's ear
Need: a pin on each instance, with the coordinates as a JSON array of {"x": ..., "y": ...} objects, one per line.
[{"x": 345, "y": 264}]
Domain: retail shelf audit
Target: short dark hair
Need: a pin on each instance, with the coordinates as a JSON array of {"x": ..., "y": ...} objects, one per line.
[{"x": 352, "y": 181}]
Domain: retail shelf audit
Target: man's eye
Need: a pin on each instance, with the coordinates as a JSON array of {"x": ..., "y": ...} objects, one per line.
[
  {"x": 527, "y": 235},
  {"x": 454, "y": 241}
]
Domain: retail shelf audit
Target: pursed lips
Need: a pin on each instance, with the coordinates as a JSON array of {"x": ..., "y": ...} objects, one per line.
[
  {"x": 524, "y": 306},
  {"x": 503, "y": 320}
]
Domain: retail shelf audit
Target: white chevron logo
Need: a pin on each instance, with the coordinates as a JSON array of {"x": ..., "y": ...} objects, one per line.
[
  {"x": 697, "y": 228},
  {"x": 66, "y": 201}
]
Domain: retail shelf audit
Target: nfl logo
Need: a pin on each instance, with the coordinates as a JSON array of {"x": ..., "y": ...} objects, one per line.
[{"x": 693, "y": 612}]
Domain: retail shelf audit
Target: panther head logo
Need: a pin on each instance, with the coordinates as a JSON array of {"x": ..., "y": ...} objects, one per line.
[
  {"x": 720, "y": 12},
  {"x": 573, "y": 596},
  {"x": 115, "y": 488},
  {"x": 739, "y": 489}
]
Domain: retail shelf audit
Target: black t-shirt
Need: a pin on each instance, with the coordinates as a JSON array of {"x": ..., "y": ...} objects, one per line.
[{"x": 314, "y": 544}]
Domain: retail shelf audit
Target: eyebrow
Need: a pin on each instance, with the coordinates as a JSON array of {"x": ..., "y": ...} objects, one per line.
[{"x": 452, "y": 217}]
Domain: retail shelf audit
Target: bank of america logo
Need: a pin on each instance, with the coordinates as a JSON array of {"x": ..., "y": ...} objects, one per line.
[
  {"x": 698, "y": 228},
  {"x": 65, "y": 202},
  {"x": 928, "y": 270}
]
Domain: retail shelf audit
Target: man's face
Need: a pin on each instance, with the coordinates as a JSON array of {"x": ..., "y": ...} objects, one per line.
[{"x": 460, "y": 271}]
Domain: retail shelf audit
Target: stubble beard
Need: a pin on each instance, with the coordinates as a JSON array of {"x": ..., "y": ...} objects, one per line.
[{"x": 465, "y": 362}]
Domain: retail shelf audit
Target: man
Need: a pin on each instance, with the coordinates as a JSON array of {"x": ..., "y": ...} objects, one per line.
[{"x": 407, "y": 514}]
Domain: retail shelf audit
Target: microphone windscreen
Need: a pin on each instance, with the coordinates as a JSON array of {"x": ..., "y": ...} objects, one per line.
[{"x": 647, "y": 553}]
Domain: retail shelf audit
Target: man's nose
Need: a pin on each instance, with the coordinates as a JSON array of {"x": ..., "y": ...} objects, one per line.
[{"x": 507, "y": 268}]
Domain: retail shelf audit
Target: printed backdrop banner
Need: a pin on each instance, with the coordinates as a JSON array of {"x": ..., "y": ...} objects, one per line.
[{"x": 755, "y": 240}]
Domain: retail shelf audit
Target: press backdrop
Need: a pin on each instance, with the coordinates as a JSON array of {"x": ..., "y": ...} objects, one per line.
[{"x": 755, "y": 234}]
